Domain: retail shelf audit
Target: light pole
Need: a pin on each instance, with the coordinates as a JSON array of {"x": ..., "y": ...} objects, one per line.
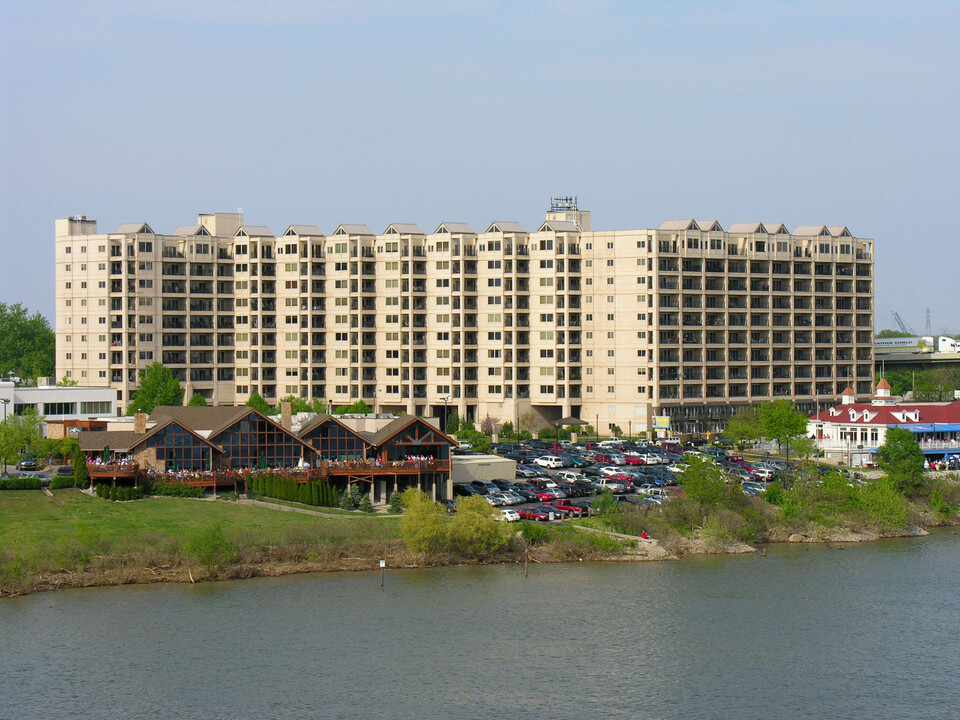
[
  {"x": 5, "y": 401},
  {"x": 446, "y": 399},
  {"x": 629, "y": 430},
  {"x": 598, "y": 427}
]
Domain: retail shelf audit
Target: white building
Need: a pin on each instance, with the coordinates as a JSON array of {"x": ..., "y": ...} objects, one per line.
[
  {"x": 853, "y": 431},
  {"x": 58, "y": 406}
]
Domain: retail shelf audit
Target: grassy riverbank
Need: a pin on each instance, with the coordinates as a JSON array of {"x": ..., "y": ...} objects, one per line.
[
  {"x": 75, "y": 540},
  {"x": 72, "y": 539}
]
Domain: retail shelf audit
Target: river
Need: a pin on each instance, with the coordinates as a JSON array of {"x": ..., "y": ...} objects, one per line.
[{"x": 870, "y": 631}]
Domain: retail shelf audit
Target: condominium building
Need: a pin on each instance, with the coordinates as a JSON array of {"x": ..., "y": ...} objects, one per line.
[{"x": 614, "y": 327}]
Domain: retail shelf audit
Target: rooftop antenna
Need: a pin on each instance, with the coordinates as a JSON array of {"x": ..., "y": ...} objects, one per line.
[
  {"x": 565, "y": 204},
  {"x": 928, "y": 331}
]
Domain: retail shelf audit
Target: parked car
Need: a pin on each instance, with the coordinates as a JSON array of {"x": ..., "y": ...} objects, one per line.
[
  {"x": 569, "y": 507},
  {"x": 558, "y": 513},
  {"x": 549, "y": 461},
  {"x": 27, "y": 463},
  {"x": 537, "y": 514},
  {"x": 462, "y": 490},
  {"x": 508, "y": 515},
  {"x": 614, "y": 486},
  {"x": 485, "y": 487}
]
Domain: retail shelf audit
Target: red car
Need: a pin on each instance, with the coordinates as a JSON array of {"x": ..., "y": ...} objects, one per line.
[
  {"x": 533, "y": 513},
  {"x": 568, "y": 507}
]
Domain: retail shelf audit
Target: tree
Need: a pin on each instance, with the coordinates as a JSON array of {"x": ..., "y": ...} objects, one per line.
[
  {"x": 475, "y": 531},
  {"x": 66, "y": 382},
  {"x": 892, "y": 334},
  {"x": 358, "y": 408},
  {"x": 529, "y": 424},
  {"x": 781, "y": 421},
  {"x": 27, "y": 344},
  {"x": 80, "y": 474},
  {"x": 453, "y": 423},
  {"x": 197, "y": 400},
  {"x": 901, "y": 458},
  {"x": 703, "y": 484},
  {"x": 803, "y": 446},
  {"x": 743, "y": 428},
  {"x": 490, "y": 425},
  {"x": 423, "y": 526},
  {"x": 18, "y": 432},
  {"x": 158, "y": 386},
  {"x": 257, "y": 402}
]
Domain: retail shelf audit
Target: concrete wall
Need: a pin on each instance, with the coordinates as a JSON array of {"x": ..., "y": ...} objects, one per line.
[{"x": 468, "y": 468}]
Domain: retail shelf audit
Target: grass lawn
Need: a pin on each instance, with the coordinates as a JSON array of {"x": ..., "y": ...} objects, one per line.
[{"x": 72, "y": 530}]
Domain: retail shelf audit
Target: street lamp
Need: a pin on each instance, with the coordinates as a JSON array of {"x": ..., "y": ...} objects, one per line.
[
  {"x": 629, "y": 429},
  {"x": 598, "y": 427},
  {"x": 5, "y": 401},
  {"x": 446, "y": 399}
]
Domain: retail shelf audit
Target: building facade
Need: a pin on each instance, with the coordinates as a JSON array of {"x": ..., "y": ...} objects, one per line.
[
  {"x": 60, "y": 407},
  {"x": 615, "y": 327},
  {"x": 852, "y": 431}
]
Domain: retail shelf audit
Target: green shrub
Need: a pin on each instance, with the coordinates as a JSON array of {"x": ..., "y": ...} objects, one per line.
[
  {"x": 607, "y": 505},
  {"x": 351, "y": 498},
  {"x": 80, "y": 469},
  {"x": 62, "y": 481},
  {"x": 423, "y": 525},
  {"x": 365, "y": 505},
  {"x": 20, "y": 483},
  {"x": 475, "y": 531},
  {"x": 533, "y": 533},
  {"x": 210, "y": 547},
  {"x": 181, "y": 490},
  {"x": 396, "y": 502},
  {"x": 943, "y": 509},
  {"x": 884, "y": 504}
]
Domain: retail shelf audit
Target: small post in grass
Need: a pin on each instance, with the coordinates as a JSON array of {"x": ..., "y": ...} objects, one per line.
[{"x": 383, "y": 564}]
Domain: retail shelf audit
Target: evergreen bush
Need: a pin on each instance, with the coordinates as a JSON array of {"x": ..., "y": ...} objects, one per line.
[
  {"x": 19, "y": 483},
  {"x": 365, "y": 505}
]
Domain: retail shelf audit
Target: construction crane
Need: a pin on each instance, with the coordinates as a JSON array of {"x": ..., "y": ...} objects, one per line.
[{"x": 901, "y": 323}]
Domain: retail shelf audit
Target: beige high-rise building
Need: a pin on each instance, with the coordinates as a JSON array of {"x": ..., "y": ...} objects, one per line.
[{"x": 614, "y": 327}]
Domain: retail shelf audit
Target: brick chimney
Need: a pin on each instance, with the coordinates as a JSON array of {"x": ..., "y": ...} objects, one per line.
[
  {"x": 286, "y": 415},
  {"x": 140, "y": 423}
]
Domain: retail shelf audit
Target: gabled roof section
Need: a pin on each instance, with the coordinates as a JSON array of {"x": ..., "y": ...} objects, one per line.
[
  {"x": 254, "y": 231},
  {"x": 118, "y": 440},
  {"x": 455, "y": 228},
  {"x": 559, "y": 226},
  {"x": 403, "y": 229},
  {"x": 134, "y": 228},
  {"x": 688, "y": 224},
  {"x": 127, "y": 440},
  {"x": 402, "y": 423},
  {"x": 776, "y": 228},
  {"x": 750, "y": 228},
  {"x": 303, "y": 231},
  {"x": 205, "y": 421},
  {"x": 883, "y": 384},
  {"x": 503, "y": 226},
  {"x": 315, "y": 422},
  {"x": 811, "y": 230},
  {"x": 347, "y": 229},
  {"x": 709, "y": 226},
  {"x": 839, "y": 231},
  {"x": 186, "y": 230}
]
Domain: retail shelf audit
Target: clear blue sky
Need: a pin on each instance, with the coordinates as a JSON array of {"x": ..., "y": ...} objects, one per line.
[{"x": 380, "y": 112}]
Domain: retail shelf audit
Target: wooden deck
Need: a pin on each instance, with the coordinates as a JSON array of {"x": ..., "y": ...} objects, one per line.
[{"x": 332, "y": 472}]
